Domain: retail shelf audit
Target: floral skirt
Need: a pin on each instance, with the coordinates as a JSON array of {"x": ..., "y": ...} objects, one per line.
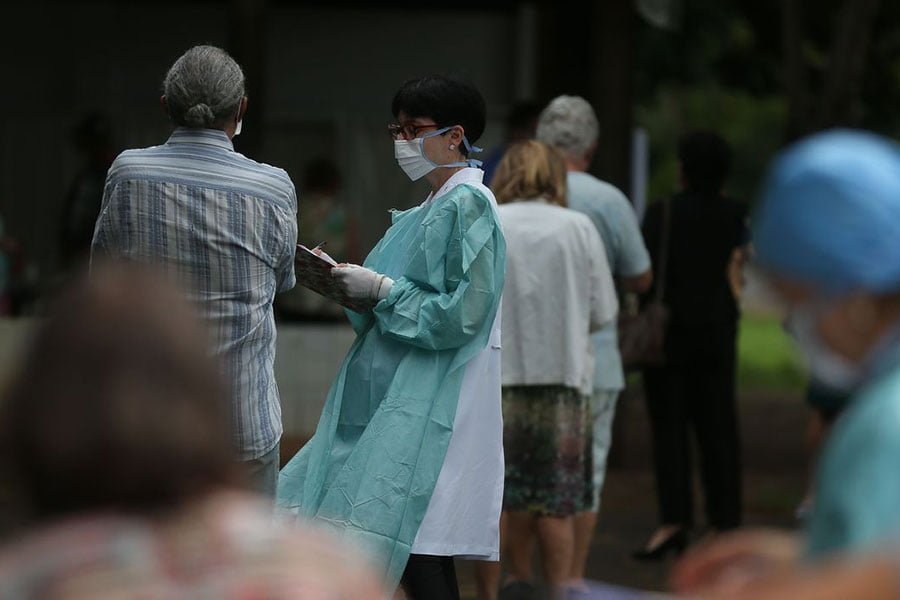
[{"x": 547, "y": 443}]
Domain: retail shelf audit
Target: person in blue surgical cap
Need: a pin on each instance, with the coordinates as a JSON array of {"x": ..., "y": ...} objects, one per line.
[
  {"x": 827, "y": 231},
  {"x": 407, "y": 458}
]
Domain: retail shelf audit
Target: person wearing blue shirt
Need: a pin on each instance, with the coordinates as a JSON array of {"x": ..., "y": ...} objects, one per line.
[
  {"x": 223, "y": 225},
  {"x": 569, "y": 124},
  {"x": 826, "y": 232}
]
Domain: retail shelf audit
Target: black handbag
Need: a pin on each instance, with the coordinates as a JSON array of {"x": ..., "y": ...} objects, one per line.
[{"x": 642, "y": 333}]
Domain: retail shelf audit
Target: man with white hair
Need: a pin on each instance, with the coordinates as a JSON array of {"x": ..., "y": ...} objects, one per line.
[
  {"x": 569, "y": 124},
  {"x": 224, "y": 226}
]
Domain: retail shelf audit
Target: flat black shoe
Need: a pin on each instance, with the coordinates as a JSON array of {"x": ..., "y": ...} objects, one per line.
[
  {"x": 676, "y": 543},
  {"x": 517, "y": 590}
]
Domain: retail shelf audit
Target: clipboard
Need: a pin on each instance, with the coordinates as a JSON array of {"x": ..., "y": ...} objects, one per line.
[{"x": 314, "y": 273}]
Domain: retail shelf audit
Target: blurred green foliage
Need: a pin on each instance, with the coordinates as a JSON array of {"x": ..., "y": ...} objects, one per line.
[
  {"x": 752, "y": 125},
  {"x": 767, "y": 358},
  {"x": 722, "y": 68}
]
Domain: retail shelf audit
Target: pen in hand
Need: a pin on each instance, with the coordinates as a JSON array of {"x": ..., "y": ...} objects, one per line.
[{"x": 317, "y": 250}]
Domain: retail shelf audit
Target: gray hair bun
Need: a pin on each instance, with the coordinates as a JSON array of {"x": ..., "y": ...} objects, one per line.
[
  {"x": 199, "y": 115},
  {"x": 204, "y": 88}
]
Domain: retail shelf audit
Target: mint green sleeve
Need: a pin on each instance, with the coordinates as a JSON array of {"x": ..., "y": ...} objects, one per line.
[
  {"x": 454, "y": 280},
  {"x": 858, "y": 495},
  {"x": 358, "y": 321}
]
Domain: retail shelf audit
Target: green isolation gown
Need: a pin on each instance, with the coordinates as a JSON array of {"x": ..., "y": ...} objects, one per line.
[{"x": 372, "y": 464}]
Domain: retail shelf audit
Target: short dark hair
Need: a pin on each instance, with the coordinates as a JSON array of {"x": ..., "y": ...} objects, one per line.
[
  {"x": 448, "y": 100},
  {"x": 117, "y": 407},
  {"x": 705, "y": 160}
]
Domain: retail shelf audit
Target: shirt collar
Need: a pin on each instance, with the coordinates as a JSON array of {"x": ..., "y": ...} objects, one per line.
[
  {"x": 464, "y": 175},
  {"x": 205, "y": 137}
]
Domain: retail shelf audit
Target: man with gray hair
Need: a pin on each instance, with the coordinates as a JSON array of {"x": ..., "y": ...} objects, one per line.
[
  {"x": 224, "y": 226},
  {"x": 569, "y": 124}
]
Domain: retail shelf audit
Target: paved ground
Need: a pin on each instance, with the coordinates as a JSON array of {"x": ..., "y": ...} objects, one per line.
[
  {"x": 772, "y": 429},
  {"x": 629, "y": 513},
  {"x": 774, "y": 480}
]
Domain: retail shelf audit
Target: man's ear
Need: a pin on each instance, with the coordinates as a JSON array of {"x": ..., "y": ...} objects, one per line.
[
  {"x": 243, "y": 109},
  {"x": 164, "y": 104},
  {"x": 589, "y": 154}
]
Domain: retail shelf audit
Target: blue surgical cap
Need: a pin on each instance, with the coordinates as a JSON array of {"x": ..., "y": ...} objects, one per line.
[{"x": 829, "y": 213}]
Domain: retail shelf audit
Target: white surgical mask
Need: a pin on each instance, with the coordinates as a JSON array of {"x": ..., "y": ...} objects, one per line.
[
  {"x": 410, "y": 155},
  {"x": 826, "y": 367},
  {"x": 237, "y": 129}
]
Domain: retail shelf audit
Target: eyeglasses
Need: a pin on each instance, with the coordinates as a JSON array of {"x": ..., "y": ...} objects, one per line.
[{"x": 407, "y": 131}]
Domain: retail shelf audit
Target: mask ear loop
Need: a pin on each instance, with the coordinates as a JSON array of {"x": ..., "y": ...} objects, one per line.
[{"x": 470, "y": 149}]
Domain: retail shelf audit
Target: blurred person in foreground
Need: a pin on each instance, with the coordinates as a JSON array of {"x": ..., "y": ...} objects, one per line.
[
  {"x": 570, "y": 125},
  {"x": 225, "y": 226},
  {"x": 826, "y": 232},
  {"x": 408, "y": 454},
  {"x": 694, "y": 391},
  {"x": 117, "y": 470},
  {"x": 558, "y": 290}
]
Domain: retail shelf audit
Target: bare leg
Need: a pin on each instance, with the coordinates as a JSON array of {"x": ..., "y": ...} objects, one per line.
[
  {"x": 487, "y": 579},
  {"x": 518, "y": 546},
  {"x": 584, "y": 532},
  {"x": 487, "y": 574},
  {"x": 603, "y": 412},
  {"x": 556, "y": 536}
]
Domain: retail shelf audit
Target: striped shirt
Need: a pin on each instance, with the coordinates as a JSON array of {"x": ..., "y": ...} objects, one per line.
[{"x": 226, "y": 227}]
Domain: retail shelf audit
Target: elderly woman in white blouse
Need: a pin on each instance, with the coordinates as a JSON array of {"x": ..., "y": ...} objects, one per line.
[{"x": 558, "y": 290}]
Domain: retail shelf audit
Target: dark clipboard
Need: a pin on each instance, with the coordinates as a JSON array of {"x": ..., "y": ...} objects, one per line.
[{"x": 314, "y": 273}]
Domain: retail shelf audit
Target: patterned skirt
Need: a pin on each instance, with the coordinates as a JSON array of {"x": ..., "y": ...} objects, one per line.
[{"x": 547, "y": 443}]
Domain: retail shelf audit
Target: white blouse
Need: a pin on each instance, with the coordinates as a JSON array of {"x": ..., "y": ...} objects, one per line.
[{"x": 558, "y": 289}]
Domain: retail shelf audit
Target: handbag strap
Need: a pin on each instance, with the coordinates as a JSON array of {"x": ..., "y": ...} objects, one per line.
[{"x": 663, "y": 250}]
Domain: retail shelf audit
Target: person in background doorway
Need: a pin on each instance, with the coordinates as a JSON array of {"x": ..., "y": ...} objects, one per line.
[
  {"x": 6, "y": 272},
  {"x": 569, "y": 124},
  {"x": 325, "y": 219},
  {"x": 94, "y": 140}
]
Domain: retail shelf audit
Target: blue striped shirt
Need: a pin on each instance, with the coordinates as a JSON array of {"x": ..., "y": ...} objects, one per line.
[{"x": 226, "y": 227}]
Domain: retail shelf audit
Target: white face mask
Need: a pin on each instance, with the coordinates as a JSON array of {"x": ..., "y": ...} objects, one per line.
[
  {"x": 239, "y": 127},
  {"x": 825, "y": 366},
  {"x": 411, "y": 157}
]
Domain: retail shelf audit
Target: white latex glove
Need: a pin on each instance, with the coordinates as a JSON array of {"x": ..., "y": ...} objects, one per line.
[{"x": 363, "y": 283}]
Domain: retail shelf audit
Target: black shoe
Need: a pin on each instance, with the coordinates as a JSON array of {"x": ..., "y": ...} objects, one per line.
[
  {"x": 517, "y": 590},
  {"x": 676, "y": 543}
]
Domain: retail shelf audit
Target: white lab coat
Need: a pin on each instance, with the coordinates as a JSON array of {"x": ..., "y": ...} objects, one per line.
[{"x": 463, "y": 516}]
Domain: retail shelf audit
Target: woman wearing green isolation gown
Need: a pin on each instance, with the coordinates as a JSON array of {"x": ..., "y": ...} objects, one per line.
[{"x": 407, "y": 458}]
